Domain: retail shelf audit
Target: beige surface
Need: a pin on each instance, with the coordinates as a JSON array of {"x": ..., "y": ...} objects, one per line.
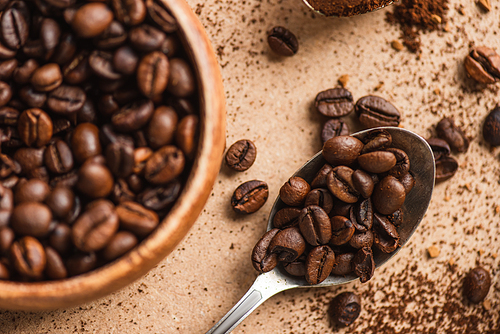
[{"x": 269, "y": 101}]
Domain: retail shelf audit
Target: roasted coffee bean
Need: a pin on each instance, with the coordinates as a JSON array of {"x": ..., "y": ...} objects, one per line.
[
  {"x": 342, "y": 230},
  {"x": 161, "y": 197},
  {"x": 29, "y": 158},
  {"x": 35, "y": 127},
  {"x": 376, "y": 140},
  {"x": 164, "y": 165},
  {"x": 133, "y": 116},
  {"x": 363, "y": 264},
  {"x": 288, "y": 244},
  {"x": 320, "y": 197},
  {"x": 161, "y": 15},
  {"x": 94, "y": 180},
  {"x": 47, "y": 77},
  {"x": 6, "y": 53},
  {"x": 60, "y": 238},
  {"x": 362, "y": 239},
  {"x": 81, "y": 263},
  {"x": 129, "y": 12},
  {"x": 77, "y": 70},
  {"x": 146, "y": 38},
  {"x": 340, "y": 183},
  {"x": 286, "y": 217},
  {"x": 54, "y": 268},
  {"x": 491, "y": 127},
  {"x": 477, "y": 284},
  {"x": 120, "y": 157},
  {"x": 377, "y": 161},
  {"x": 66, "y": 180},
  {"x": 6, "y": 239},
  {"x": 65, "y": 50},
  {"x": 87, "y": 113},
  {"x": 250, "y": 196},
  {"x": 141, "y": 156},
  {"x": 343, "y": 264},
  {"x": 452, "y": 134},
  {"x": 50, "y": 33},
  {"x": 114, "y": 36},
  {"x": 345, "y": 308},
  {"x": 446, "y": 167},
  {"x": 31, "y": 218},
  {"x": 14, "y": 23},
  {"x": 361, "y": 215},
  {"x": 241, "y": 155},
  {"x": 282, "y": 41},
  {"x": 66, "y": 99},
  {"x": 335, "y": 102},
  {"x": 58, "y": 157},
  {"x": 125, "y": 60},
  {"x": 40, "y": 173},
  {"x": 262, "y": 259},
  {"x": 28, "y": 257},
  {"x": 181, "y": 80},
  {"x": 294, "y": 191},
  {"x": 33, "y": 190},
  {"x": 296, "y": 268},
  {"x": 101, "y": 16},
  {"x": 85, "y": 142},
  {"x": 136, "y": 218},
  {"x": 408, "y": 182},
  {"x": 152, "y": 74},
  {"x": 94, "y": 229},
  {"x": 363, "y": 183},
  {"x": 385, "y": 235},
  {"x": 483, "y": 65},
  {"x": 186, "y": 135},
  {"x": 374, "y": 111},
  {"x": 332, "y": 128},
  {"x": 319, "y": 264},
  {"x": 32, "y": 97},
  {"x": 121, "y": 243},
  {"x": 389, "y": 195},
  {"x": 320, "y": 180},
  {"x": 396, "y": 218},
  {"x": 5, "y": 93},
  {"x": 161, "y": 128},
  {"x": 35, "y": 49},
  {"x": 8, "y": 166},
  {"x": 4, "y": 272},
  {"x": 9, "y": 116},
  {"x": 342, "y": 150},
  {"x": 315, "y": 225},
  {"x": 60, "y": 201},
  {"x": 121, "y": 192},
  {"x": 7, "y": 68},
  {"x": 402, "y": 166},
  {"x": 101, "y": 63}
]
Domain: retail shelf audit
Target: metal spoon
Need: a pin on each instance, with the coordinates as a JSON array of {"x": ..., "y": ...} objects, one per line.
[
  {"x": 416, "y": 203},
  {"x": 317, "y": 11}
]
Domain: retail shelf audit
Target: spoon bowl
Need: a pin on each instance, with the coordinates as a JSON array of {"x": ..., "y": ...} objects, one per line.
[
  {"x": 416, "y": 203},
  {"x": 362, "y": 11}
]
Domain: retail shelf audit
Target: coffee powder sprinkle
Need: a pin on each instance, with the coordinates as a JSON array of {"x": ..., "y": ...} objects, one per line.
[{"x": 416, "y": 16}]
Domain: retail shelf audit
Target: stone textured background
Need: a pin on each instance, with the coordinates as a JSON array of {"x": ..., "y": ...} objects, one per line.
[{"x": 269, "y": 100}]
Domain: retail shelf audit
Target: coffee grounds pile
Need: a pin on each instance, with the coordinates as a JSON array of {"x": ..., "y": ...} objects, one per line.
[{"x": 416, "y": 16}]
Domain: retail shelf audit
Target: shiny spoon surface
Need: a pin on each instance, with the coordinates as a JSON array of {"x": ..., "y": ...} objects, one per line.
[
  {"x": 417, "y": 201},
  {"x": 317, "y": 11}
]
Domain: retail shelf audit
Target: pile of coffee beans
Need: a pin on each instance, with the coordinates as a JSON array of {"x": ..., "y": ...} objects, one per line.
[
  {"x": 353, "y": 203},
  {"x": 98, "y": 130}
]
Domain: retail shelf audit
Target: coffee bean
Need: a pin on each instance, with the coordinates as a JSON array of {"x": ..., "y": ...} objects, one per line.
[
  {"x": 319, "y": 264},
  {"x": 342, "y": 230},
  {"x": 5, "y": 93},
  {"x": 315, "y": 225},
  {"x": 94, "y": 180},
  {"x": 452, "y": 134},
  {"x": 161, "y": 197},
  {"x": 125, "y": 60},
  {"x": 32, "y": 97},
  {"x": 7, "y": 68},
  {"x": 282, "y": 41},
  {"x": 101, "y": 63},
  {"x": 94, "y": 229},
  {"x": 85, "y": 142},
  {"x": 294, "y": 191},
  {"x": 54, "y": 268},
  {"x": 363, "y": 264},
  {"x": 320, "y": 197},
  {"x": 320, "y": 180},
  {"x": 446, "y": 167},
  {"x": 386, "y": 237},
  {"x": 345, "y": 308},
  {"x": 133, "y": 116},
  {"x": 186, "y": 135},
  {"x": 362, "y": 239},
  {"x": 286, "y": 217},
  {"x": 4, "y": 272},
  {"x": 332, "y": 128},
  {"x": 6, "y": 239},
  {"x": 296, "y": 268},
  {"x": 262, "y": 259},
  {"x": 164, "y": 165},
  {"x": 81, "y": 263},
  {"x": 58, "y": 157},
  {"x": 340, "y": 183},
  {"x": 396, "y": 218},
  {"x": 66, "y": 99},
  {"x": 146, "y": 38},
  {"x": 31, "y": 218},
  {"x": 402, "y": 166},
  {"x": 491, "y": 127},
  {"x": 77, "y": 70},
  {"x": 6, "y": 53},
  {"x": 374, "y": 111},
  {"x": 161, "y": 15},
  {"x": 113, "y": 37},
  {"x": 361, "y": 215},
  {"x": 14, "y": 23},
  {"x": 342, "y": 150},
  {"x": 483, "y": 65},
  {"x": 101, "y": 17},
  {"x": 363, "y": 183},
  {"x": 29, "y": 158},
  {"x": 47, "y": 77},
  {"x": 241, "y": 155},
  {"x": 35, "y": 127},
  {"x": 120, "y": 157},
  {"x": 161, "y": 128},
  {"x": 50, "y": 32},
  {"x": 65, "y": 50},
  {"x": 477, "y": 284},
  {"x": 343, "y": 264},
  {"x": 9, "y": 116},
  {"x": 181, "y": 80},
  {"x": 377, "y": 161},
  {"x": 389, "y": 195},
  {"x": 129, "y": 12},
  {"x": 152, "y": 74},
  {"x": 249, "y": 196},
  {"x": 288, "y": 244},
  {"x": 136, "y": 218},
  {"x": 335, "y": 102},
  {"x": 121, "y": 243},
  {"x": 60, "y": 201},
  {"x": 28, "y": 258},
  {"x": 33, "y": 190},
  {"x": 8, "y": 166},
  {"x": 60, "y": 238}
]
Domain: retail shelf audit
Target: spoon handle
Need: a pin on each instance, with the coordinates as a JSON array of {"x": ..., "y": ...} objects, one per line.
[{"x": 265, "y": 286}]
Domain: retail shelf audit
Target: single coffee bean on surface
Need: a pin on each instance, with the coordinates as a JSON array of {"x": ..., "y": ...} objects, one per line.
[
  {"x": 374, "y": 111},
  {"x": 332, "y": 128},
  {"x": 483, "y": 65},
  {"x": 241, "y": 155},
  {"x": 491, "y": 127},
  {"x": 335, "y": 102},
  {"x": 282, "y": 41},
  {"x": 345, "y": 308},
  {"x": 250, "y": 196},
  {"x": 452, "y": 134},
  {"x": 476, "y": 284}
]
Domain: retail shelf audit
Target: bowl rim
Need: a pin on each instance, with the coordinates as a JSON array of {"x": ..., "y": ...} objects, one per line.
[{"x": 50, "y": 295}]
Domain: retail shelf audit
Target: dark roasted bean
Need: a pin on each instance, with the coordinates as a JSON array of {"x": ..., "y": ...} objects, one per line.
[
  {"x": 262, "y": 259},
  {"x": 373, "y": 111},
  {"x": 241, "y": 155},
  {"x": 315, "y": 225},
  {"x": 294, "y": 191},
  {"x": 345, "y": 308},
  {"x": 363, "y": 264},
  {"x": 282, "y": 41},
  {"x": 319, "y": 264},
  {"x": 477, "y": 284},
  {"x": 121, "y": 243},
  {"x": 335, "y": 102},
  {"x": 288, "y": 244},
  {"x": 28, "y": 257},
  {"x": 342, "y": 150},
  {"x": 249, "y": 196},
  {"x": 136, "y": 218}
]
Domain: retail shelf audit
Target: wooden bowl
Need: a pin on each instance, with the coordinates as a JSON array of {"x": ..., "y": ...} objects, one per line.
[{"x": 97, "y": 283}]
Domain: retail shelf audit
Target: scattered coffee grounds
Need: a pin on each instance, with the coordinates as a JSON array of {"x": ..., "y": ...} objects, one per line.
[
  {"x": 347, "y": 7},
  {"x": 415, "y": 16}
]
